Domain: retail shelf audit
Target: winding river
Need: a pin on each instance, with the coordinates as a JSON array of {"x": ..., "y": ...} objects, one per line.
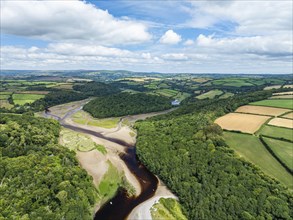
[{"x": 121, "y": 205}]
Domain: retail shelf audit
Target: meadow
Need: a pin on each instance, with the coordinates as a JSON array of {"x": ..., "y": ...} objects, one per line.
[
  {"x": 21, "y": 99},
  {"x": 251, "y": 148},
  {"x": 287, "y": 103},
  {"x": 282, "y": 150},
  {"x": 276, "y": 132},
  {"x": 210, "y": 94}
]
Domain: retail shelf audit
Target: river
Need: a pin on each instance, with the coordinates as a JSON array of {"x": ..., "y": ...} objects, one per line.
[{"x": 121, "y": 205}]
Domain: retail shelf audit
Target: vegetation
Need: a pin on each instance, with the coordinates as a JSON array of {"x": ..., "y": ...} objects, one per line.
[
  {"x": 252, "y": 149},
  {"x": 126, "y": 104},
  {"x": 210, "y": 94},
  {"x": 79, "y": 142},
  {"x": 82, "y": 117},
  {"x": 277, "y": 132},
  {"x": 39, "y": 178},
  {"x": 188, "y": 152},
  {"x": 21, "y": 99},
  {"x": 167, "y": 208},
  {"x": 282, "y": 150},
  {"x": 287, "y": 103},
  {"x": 96, "y": 89}
]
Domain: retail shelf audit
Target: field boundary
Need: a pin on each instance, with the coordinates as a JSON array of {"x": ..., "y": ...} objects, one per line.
[{"x": 274, "y": 155}]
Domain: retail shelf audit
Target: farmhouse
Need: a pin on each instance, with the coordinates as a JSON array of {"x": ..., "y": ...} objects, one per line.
[{"x": 175, "y": 102}]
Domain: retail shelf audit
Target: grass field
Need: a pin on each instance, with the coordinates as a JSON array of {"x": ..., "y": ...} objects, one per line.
[
  {"x": 210, "y": 94},
  {"x": 167, "y": 92},
  {"x": 110, "y": 182},
  {"x": 250, "y": 148},
  {"x": 5, "y": 104},
  {"x": 245, "y": 123},
  {"x": 181, "y": 96},
  {"x": 277, "y": 132},
  {"x": 21, "y": 99},
  {"x": 234, "y": 82},
  {"x": 167, "y": 208},
  {"x": 282, "y": 149},
  {"x": 226, "y": 95},
  {"x": 287, "y": 103},
  {"x": 82, "y": 117},
  {"x": 77, "y": 141}
]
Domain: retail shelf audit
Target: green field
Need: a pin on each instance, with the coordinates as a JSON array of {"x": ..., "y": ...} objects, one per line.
[
  {"x": 250, "y": 148},
  {"x": 226, "y": 95},
  {"x": 233, "y": 82},
  {"x": 167, "y": 92},
  {"x": 21, "y": 99},
  {"x": 77, "y": 141},
  {"x": 82, "y": 117},
  {"x": 282, "y": 149},
  {"x": 210, "y": 94},
  {"x": 167, "y": 208},
  {"x": 181, "y": 96},
  {"x": 5, "y": 104},
  {"x": 4, "y": 96},
  {"x": 287, "y": 103},
  {"x": 276, "y": 132}
]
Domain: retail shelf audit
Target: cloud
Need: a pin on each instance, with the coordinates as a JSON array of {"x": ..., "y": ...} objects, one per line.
[
  {"x": 170, "y": 37},
  {"x": 189, "y": 42},
  {"x": 69, "y": 21},
  {"x": 175, "y": 56},
  {"x": 258, "y": 45}
]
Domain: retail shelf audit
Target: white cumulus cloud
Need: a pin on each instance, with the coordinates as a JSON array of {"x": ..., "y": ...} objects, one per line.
[
  {"x": 170, "y": 37},
  {"x": 69, "y": 20}
]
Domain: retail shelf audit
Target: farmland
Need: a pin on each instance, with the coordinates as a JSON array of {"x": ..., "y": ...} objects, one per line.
[
  {"x": 210, "y": 94},
  {"x": 282, "y": 149},
  {"x": 282, "y": 122},
  {"x": 245, "y": 123},
  {"x": 276, "y": 132},
  {"x": 288, "y": 103},
  {"x": 21, "y": 99},
  {"x": 289, "y": 115},
  {"x": 250, "y": 148},
  {"x": 261, "y": 110}
]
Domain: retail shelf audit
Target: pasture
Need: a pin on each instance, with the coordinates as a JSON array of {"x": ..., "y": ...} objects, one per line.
[
  {"x": 82, "y": 117},
  {"x": 232, "y": 82},
  {"x": 5, "y": 104},
  {"x": 250, "y": 148},
  {"x": 226, "y": 95},
  {"x": 210, "y": 94},
  {"x": 167, "y": 92},
  {"x": 286, "y": 103},
  {"x": 261, "y": 110},
  {"x": 245, "y": 123},
  {"x": 277, "y": 132},
  {"x": 282, "y": 149},
  {"x": 21, "y": 99},
  {"x": 282, "y": 122}
]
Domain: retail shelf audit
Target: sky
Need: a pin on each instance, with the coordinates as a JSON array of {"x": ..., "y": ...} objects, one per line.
[{"x": 227, "y": 36}]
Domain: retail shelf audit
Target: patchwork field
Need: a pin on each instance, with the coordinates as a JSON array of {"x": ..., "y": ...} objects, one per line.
[
  {"x": 210, "y": 94},
  {"x": 226, "y": 95},
  {"x": 21, "y": 99},
  {"x": 251, "y": 148},
  {"x": 5, "y": 104},
  {"x": 34, "y": 92},
  {"x": 167, "y": 92},
  {"x": 287, "y": 103},
  {"x": 241, "y": 122},
  {"x": 82, "y": 117},
  {"x": 261, "y": 110},
  {"x": 276, "y": 132},
  {"x": 281, "y": 122},
  {"x": 283, "y": 93},
  {"x": 282, "y": 97},
  {"x": 290, "y": 115},
  {"x": 272, "y": 87},
  {"x": 282, "y": 150}
]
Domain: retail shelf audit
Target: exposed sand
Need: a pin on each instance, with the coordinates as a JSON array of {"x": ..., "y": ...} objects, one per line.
[
  {"x": 261, "y": 110},
  {"x": 143, "y": 210},
  {"x": 241, "y": 122},
  {"x": 282, "y": 122},
  {"x": 290, "y": 115}
]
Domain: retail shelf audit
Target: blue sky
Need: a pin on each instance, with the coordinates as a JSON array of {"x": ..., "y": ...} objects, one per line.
[{"x": 166, "y": 36}]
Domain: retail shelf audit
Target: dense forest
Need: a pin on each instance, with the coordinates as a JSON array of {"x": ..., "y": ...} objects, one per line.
[
  {"x": 126, "y": 104},
  {"x": 38, "y": 178},
  {"x": 190, "y": 155},
  {"x": 96, "y": 89}
]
